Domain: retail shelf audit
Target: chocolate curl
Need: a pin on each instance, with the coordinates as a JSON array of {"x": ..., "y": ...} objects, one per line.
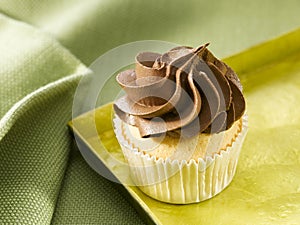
[
  {"x": 224, "y": 90},
  {"x": 145, "y": 70},
  {"x": 159, "y": 86},
  {"x": 187, "y": 109},
  {"x": 143, "y": 86},
  {"x": 235, "y": 105},
  {"x": 187, "y": 88},
  {"x": 174, "y": 121},
  {"x": 239, "y": 104}
]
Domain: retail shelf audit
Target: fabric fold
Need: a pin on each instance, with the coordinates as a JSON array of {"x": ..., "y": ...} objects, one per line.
[{"x": 38, "y": 80}]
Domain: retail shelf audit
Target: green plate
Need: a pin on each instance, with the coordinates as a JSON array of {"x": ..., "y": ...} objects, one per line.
[{"x": 266, "y": 187}]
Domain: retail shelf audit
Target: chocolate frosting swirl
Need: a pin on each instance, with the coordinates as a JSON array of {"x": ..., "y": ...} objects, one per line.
[{"x": 186, "y": 89}]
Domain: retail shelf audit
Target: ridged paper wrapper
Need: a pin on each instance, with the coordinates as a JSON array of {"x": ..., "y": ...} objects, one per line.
[{"x": 181, "y": 181}]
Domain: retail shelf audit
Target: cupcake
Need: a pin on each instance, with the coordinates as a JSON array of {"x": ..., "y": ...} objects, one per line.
[{"x": 180, "y": 124}]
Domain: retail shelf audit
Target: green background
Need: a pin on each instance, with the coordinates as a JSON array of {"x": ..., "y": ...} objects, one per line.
[{"x": 46, "y": 47}]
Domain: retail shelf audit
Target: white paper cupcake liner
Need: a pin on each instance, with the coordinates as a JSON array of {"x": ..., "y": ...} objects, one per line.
[{"x": 182, "y": 182}]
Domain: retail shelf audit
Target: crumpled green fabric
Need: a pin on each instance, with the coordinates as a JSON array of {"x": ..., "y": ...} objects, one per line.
[
  {"x": 39, "y": 182},
  {"x": 43, "y": 178}
]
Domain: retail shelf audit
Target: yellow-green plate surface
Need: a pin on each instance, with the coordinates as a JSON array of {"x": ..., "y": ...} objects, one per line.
[{"x": 266, "y": 187}]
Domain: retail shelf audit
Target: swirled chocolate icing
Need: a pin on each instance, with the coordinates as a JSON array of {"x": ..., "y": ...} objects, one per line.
[{"x": 185, "y": 89}]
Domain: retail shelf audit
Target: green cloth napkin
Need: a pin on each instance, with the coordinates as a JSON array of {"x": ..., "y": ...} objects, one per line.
[
  {"x": 43, "y": 178},
  {"x": 37, "y": 184}
]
